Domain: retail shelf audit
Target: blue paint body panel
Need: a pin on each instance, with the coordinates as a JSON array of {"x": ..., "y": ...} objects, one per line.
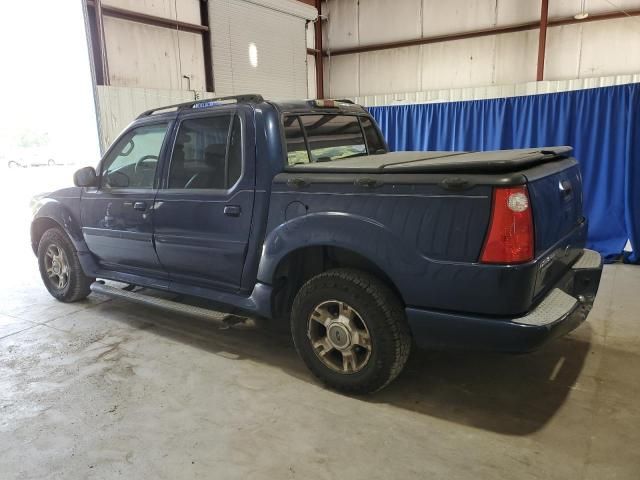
[{"x": 420, "y": 218}]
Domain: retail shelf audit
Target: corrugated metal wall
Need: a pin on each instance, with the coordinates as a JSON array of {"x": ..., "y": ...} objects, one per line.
[
  {"x": 119, "y": 106},
  {"x": 493, "y": 91},
  {"x": 149, "y": 56},
  {"x": 586, "y": 50},
  {"x": 147, "y": 64}
]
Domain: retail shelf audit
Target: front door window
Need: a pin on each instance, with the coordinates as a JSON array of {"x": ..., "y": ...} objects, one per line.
[{"x": 133, "y": 161}]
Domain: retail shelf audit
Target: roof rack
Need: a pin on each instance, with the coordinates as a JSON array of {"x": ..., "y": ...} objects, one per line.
[
  {"x": 345, "y": 100},
  {"x": 247, "y": 98}
]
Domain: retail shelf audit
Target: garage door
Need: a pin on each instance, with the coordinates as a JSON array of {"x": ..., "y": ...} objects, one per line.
[{"x": 260, "y": 46}]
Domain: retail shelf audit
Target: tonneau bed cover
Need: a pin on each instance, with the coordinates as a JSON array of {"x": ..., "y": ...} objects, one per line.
[{"x": 496, "y": 161}]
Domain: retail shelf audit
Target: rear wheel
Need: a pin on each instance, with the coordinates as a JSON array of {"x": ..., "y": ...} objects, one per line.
[
  {"x": 350, "y": 330},
  {"x": 60, "y": 267}
]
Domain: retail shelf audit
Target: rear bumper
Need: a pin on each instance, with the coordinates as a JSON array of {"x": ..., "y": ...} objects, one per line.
[{"x": 564, "y": 308}]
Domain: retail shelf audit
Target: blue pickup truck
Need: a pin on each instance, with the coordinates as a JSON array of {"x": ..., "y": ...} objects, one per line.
[{"x": 297, "y": 212}]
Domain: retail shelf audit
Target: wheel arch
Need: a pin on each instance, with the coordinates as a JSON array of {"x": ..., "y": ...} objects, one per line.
[
  {"x": 300, "y": 264},
  {"x": 52, "y": 214},
  {"x": 38, "y": 227}
]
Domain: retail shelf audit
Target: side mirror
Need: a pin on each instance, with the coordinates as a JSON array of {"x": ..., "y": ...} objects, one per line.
[{"x": 85, "y": 177}]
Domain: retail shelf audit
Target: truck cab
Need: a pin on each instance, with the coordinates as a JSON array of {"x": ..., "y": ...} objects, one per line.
[{"x": 296, "y": 211}]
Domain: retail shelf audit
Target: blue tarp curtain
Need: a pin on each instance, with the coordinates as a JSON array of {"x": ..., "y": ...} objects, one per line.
[{"x": 602, "y": 125}]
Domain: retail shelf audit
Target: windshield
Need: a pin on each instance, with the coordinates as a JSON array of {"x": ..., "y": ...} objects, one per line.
[{"x": 330, "y": 137}]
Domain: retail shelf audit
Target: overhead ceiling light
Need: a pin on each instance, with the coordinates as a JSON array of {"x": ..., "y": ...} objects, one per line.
[{"x": 583, "y": 14}]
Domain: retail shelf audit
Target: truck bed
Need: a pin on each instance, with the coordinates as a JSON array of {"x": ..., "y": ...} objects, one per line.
[
  {"x": 496, "y": 161},
  {"x": 425, "y": 215}
]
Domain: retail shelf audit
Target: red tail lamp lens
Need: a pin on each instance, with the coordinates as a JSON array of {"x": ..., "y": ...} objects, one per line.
[{"x": 510, "y": 236}]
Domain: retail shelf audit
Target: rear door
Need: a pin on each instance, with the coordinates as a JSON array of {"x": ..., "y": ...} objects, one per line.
[
  {"x": 117, "y": 217},
  {"x": 203, "y": 210}
]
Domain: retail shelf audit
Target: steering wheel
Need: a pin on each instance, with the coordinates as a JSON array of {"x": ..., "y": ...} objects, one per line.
[{"x": 145, "y": 159}]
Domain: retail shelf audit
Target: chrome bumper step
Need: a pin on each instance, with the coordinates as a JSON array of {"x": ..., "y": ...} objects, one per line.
[
  {"x": 555, "y": 306},
  {"x": 589, "y": 259},
  {"x": 559, "y": 304}
]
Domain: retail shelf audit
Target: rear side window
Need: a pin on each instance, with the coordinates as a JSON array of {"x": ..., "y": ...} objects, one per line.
[
  {"x": 207, "y": 153},
  {"x": 332, "y": 137},
  {"x": 374, "y": 142},
  {"x": 327, "y": 137},
  {"x": 296, "y": 145}
]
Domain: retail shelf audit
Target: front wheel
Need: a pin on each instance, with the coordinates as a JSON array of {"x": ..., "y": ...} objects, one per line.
[
  {"x": 351, "y": 331},
  {"x": 60, "y": 267}
]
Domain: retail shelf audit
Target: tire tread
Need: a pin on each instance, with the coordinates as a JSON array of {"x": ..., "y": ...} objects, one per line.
[{"x": 397, "y": 329}]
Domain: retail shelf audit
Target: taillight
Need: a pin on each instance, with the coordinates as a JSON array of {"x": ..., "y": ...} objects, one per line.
[{"x": 510, "y": 235}]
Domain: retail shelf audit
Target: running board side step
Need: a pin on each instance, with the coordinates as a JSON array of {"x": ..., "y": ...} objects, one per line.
[{"x": 224, "y": 319}]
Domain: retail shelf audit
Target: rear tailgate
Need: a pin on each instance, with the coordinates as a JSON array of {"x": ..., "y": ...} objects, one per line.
[
  {"x": 556, "y": 195},
  {"x": 555, "y": 191}
]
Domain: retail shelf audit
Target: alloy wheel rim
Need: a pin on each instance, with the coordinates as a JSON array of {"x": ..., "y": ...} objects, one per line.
[
  {"x": 56, "y": 266},
  {"x": 339, "y": 337}
]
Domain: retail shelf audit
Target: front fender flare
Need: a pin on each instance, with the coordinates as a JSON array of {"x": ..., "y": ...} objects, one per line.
[{"x": 61, "y": 214}]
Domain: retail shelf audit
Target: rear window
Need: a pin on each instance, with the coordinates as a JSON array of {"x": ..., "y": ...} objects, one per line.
[{"x": 328, "y": 137}]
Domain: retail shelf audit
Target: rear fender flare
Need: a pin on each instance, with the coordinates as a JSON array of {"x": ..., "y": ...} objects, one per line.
[{"x": 358, "y": 234}]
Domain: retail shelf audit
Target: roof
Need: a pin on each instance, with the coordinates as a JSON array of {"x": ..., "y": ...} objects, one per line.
[{"x": 284, "y": 106}]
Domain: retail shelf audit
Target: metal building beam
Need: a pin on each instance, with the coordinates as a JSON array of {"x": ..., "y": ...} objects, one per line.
[
  {"x": 148, "y": 19},
  {"x": 542, "y": 38},
  {"x": 318, "y": 52},
  {"x": 206, "y": 47}
]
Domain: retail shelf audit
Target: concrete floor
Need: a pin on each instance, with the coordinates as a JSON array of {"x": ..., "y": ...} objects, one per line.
[{"x": 104, "y": 389}]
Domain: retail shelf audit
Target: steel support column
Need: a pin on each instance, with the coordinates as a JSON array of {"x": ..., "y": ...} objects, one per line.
[
  {"x": 542, "y": 38},
  {"x": 206, "y": 47},
  {"x": 318, "y": 52}
]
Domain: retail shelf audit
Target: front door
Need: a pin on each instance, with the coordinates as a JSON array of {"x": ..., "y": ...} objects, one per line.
[
  {"x": 203, "y": 210},
  {"x": 117, "y": 217}
]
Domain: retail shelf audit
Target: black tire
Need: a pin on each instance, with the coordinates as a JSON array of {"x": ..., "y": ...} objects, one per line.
[
  {"x": 77, "y": 285},
  {"x": 381, "y": 313}
]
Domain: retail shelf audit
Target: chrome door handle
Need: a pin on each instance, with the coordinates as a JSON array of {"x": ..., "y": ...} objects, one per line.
[{"x": 140, "y": 206}]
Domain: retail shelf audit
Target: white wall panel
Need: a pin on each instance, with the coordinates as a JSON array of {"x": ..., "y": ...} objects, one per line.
[
  {"x": 311, "y": 77},
  {"x": 390, "y": 70},
  {"x": 119, "y": 106},
  {"x": 442, "y": 17},
  {"x": 311, "y": 35},
  {"x": 341, "y": 30},
  {"x": 568, "y": 8},
  {"x": 147, "y": 56},
  {"x": 562, "y": 59},
  {"x": 513, "y": 12},
  {"x": 458, "y": 63},
  {"x": 493, "y": 91},
  {"x": 516, "y": 57},
  {"x": 342, "y": 75},
  {"x": 382, "y": 21},
  {"x": 610, "y": 47},
  {"x": 582, "y": 50},
  {"x": 187, "y": 10}
]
